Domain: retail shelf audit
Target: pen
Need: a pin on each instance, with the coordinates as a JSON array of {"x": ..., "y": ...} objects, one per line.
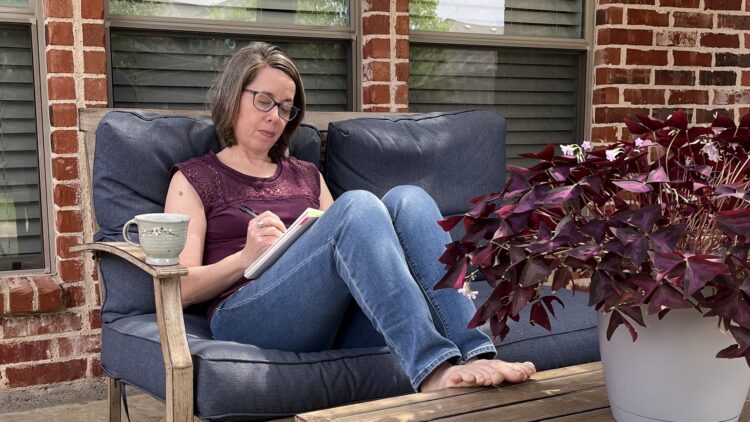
[{"x": 248, "y": 211}]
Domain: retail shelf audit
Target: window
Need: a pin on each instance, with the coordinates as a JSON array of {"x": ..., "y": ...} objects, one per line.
[
  {"x": 175, "y": 71},
  {"x": 526, "y": 60},
  {"x": 21, "y": 234},
  {"x": 165, "y": 63}
]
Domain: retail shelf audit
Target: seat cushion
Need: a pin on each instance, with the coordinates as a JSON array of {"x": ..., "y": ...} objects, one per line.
[
  {"x": 454, "y": 156},
  {"x": 234, "y": 381},
  {"x": 134, "y": 155}
]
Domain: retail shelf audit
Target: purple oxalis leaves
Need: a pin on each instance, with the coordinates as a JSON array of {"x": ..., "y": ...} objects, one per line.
[{"x": 657, "y": 223}]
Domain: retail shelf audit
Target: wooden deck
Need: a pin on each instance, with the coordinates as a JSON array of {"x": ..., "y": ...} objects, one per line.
[{"x": 569, "y": 394}]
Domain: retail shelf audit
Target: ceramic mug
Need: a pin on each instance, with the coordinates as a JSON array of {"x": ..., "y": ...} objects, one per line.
[{"x": 161, "y": 236}]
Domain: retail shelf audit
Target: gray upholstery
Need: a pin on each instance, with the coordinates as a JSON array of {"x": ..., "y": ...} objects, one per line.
[
  {"x": 242, "y": 382},
  {"x": 454, "y": 156}
]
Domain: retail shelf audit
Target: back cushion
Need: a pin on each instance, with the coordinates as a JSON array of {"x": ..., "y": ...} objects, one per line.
[
  {"x": 454, "y": 156},
  {"x": 132, "y": 161}
]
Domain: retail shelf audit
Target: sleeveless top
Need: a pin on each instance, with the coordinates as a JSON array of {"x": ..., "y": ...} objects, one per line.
[{"x": 294, "y": 187}]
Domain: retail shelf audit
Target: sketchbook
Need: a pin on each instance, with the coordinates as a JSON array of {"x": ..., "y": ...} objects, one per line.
[{"x": 300, "y": 225}]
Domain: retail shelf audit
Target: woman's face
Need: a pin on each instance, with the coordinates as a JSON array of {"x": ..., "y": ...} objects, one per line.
[{"x": 256, "y": 129}]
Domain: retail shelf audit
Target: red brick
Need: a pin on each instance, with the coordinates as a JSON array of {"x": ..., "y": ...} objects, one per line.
[
  {"x": 27, "y": 351},
  {"x": 68, "y": 221},
  {"x": 688, "y": 97},
  {"x": 70, "y": 270},
  {"x": 674, "y": 77},
  {"x": 685, "y": 4},
  {"x": 49, "y": 293},
  {"x": 616, "y": 76},
  {"x": 376, "y": 6},
  {"x": 693, "y": 20},
  {"x": 723, "y": 4},
  {"x": 718, "y": 77},
  {"x": 609, "y": 16},
  {"x": 32, "y": 325},
  {"x": 79, "y": 345},
  {"x": 377, "y": 48},
  {"x": 746, "y": 77},
  {"x": 402, "y": 94},
  {"x": 92, "y": 9},
  {"x": 691, "y": 58},
  {"x": 604, "y": 133},
  {"x": 601, "y": 2},
  {"x": 21, "y": 295},
  {"x": 61, "y": 88},
  {"x": 45, "y": 373},
  {"x": 2, "y": 307},
  {"x": 402, "y": 25},
  {"x": 58, "y": 8},
  {"x": 616, "y": 114},
  {"x": 95, "y": 367},
  {"x": 95, "y": 62},
  {"x": 376, "y": 94},
  {"x": 732, "y": 60},
  {"x": 376, "y": 24},
  {"x": 738, "y": 22},
  {"x": 65, "y": 168},
  {"x": 732, "y": 97},
  {"x": 95, "y": 89},
  {"x": 402, "y": 72},
  {"x": 625, "y": 36},
  {"x": 59, "y": 61},
  {"x": 95, "y": 318},
  {"x": 377, "y": 109},
  {"x": 402, "y": 6},
  {"x": 97, "y": 295},
  {"x": 703, "y": 116},
  {"x": 75, "y": 296},
  {"x": 720, "y": 40},
  {"x": 59, "y": 33},
  {"x": 646, "y": 57},
  {"x": 93, "y": 34},
  {"x": 402, "y": 49},
  {"x": 676, "y": 38},
  {"x": 747, "y": 36},
  {"x": 64, "y": 141},
  {"x": 644, "y": 96},
  {"x": 607, "y": 56},
  {"x": 377, "y": 71},
  {"x": 610, "y": 95},
  {"x": 64, "y": 243},
  {"x": 63, "y": 115},
  {"x": 647, "y": 17}
]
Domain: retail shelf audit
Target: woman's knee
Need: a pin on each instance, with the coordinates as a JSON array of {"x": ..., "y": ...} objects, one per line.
[
  {"x": 407, "y": 197},
  {"x": 361, "y": 204}
]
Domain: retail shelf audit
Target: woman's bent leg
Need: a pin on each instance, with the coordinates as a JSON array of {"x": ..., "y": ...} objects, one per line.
[
  {"x": 351, "y": 250},
  {"x": 415, "y": 217}
]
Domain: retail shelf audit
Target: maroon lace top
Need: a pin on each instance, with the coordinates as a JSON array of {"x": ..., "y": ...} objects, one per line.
[{"x": 294, "y": 187}]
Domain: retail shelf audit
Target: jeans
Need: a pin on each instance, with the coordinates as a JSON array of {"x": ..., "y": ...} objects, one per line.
[{"x": 364, "y": 264}]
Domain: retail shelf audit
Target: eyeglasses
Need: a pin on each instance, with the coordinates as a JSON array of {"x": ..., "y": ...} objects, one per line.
[{"x": 264, "y": 102}]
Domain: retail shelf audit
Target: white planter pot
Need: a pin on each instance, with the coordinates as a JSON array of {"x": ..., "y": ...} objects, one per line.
[{"x": 671, "y": 373}]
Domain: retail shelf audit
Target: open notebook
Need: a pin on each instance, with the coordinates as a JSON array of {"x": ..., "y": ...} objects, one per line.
[{"x": 300, "y": 225}]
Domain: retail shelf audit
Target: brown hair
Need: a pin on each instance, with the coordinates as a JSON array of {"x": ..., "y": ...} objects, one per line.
[{"x": 239, "y": 71}]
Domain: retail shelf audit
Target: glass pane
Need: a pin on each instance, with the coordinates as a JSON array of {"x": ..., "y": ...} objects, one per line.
[
  {"x": 530, "y": 18},
  {"x": 536, "y": 91},
  {"x": 297, "y": 12},
  {"x": 172, "y": 71},
  {"x": 14, "y": 3},
  {"x": 20, "y": 211}
]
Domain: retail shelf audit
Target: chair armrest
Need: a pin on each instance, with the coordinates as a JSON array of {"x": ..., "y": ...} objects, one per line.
[{"x": 134, "y": 255}]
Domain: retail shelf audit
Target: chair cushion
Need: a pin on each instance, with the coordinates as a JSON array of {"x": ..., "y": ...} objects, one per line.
[
  {"x": 134, "y": 154},
  {"x": 234, "y": 381},
  {"x": 454, "y": 156}
]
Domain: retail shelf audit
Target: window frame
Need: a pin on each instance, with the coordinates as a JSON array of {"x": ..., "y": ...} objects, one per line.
[
  {"x": 351, "y": 34},
  {"x": 584, "y": 44},
  {"x": 29, "y": 16}
]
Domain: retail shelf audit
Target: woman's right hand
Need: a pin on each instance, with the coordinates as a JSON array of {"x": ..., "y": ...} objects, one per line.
[{"x": 262, "y": 232}]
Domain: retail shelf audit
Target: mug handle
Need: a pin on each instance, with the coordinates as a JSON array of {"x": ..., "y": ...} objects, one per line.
[{"x": 125, "y": 234}]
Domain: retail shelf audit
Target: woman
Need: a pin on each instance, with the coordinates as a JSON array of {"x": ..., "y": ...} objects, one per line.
[{"x": 365, "y": 263}]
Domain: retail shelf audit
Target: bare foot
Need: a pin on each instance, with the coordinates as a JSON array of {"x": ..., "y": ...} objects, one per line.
[{"x": 477, "y": 373}]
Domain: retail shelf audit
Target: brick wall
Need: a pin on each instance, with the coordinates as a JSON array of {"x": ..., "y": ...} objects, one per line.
[
  {"x": 654, "y": 56},
  {"x": 385, "y": 55},
  {"x": 50, "y": 323}
]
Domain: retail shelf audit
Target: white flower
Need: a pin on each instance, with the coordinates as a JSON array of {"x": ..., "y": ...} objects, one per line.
[
  {"x": 466, "y": 291},
  {"x": 717, "y": 130},
  {"x": 639, "y": 142},
  {"x": 613, "y": 153},
  {"x": 712, "y": 152},
  {"x": 569, "y": 150},
  {"x": 586, "y": 145}
]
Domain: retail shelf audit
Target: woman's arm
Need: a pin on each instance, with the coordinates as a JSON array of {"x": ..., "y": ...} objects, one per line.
[
  {"x": 325, "y": 195},
  {"x": 204, "y": 282}
]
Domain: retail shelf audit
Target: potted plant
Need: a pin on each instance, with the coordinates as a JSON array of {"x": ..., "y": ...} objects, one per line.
[{"x": 660, "y": 225}]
